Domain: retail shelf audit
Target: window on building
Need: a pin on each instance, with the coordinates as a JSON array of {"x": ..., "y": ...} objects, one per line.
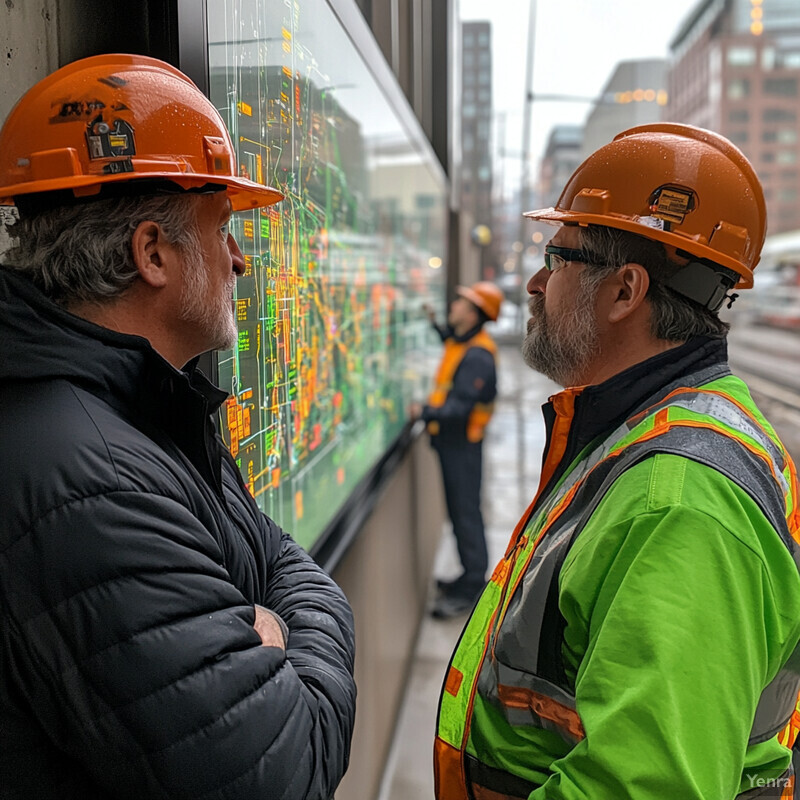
[
  {"x": 779, "y": 115},
  {"x": 789, "y": 174},
  {"x": 769, "y": 136},
  {"x": 738, "y": 137},
  {"x": 768, "y": 58},
  {"x": 788, "y": 195},
  {"x": 781, "y": 87},
  {"x": 787, "y": 157},
  {"x": 738, "y": 88},
  {"x": 787, "y": 135},
  {"x": 741, "y": 56},
  {"x": 468, "y": 110},
  {"x": 768, "y": 157},
  {"x": 483, "y": 39},
  {"x": 738, "y": 115},
  {"x": 469, "y": 40},
  {"x": 484, "y": 78},
  {"x": 791, "y": 60}
]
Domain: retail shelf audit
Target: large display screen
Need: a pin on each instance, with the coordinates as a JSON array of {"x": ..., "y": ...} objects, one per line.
[{"x": 333, "y": 343}]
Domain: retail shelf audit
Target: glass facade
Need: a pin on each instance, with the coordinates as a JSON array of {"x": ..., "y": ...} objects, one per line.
[{"x": 333, "y": 342}]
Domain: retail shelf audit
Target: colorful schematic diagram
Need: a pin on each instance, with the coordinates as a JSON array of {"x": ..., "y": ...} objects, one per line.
[{"x": 319, "y": 378}]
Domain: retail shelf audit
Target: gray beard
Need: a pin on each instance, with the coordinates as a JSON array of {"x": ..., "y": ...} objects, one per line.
[
  {"x": 561, "y": 346},
  {"x": 214, "y": 315}
]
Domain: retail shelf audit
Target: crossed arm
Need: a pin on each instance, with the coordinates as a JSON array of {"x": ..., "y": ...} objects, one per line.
[{"x": 141, "y": 660}]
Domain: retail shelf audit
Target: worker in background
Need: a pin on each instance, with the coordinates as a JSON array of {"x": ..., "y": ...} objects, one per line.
[
  {"x": 161, "y": 637},
  {"x": 457, "y": 412},
  {"x": 639, "y": 637}
]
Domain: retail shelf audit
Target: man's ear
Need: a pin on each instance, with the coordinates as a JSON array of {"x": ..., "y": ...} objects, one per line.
[
  {"x": 151, "y": 253},
  {"x": 628, "y": 288}
]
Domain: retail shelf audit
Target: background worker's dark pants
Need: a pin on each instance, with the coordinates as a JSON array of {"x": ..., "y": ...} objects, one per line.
[{"x": 461, "y": 471}]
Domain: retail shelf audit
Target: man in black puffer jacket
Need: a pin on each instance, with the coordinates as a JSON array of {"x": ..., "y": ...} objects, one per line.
[{"x": 161, "y": 637}]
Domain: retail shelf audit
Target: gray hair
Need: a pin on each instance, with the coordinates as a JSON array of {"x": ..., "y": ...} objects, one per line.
[
  {"x": 673, "y": 317},
  {"x": 82, "y": 253}
]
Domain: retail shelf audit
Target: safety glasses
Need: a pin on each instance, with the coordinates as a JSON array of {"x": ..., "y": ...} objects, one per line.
[{"x": 556, "y": 258}]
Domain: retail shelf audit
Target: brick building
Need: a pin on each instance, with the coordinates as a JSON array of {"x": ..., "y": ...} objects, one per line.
[{"x": 735, "y": 69}]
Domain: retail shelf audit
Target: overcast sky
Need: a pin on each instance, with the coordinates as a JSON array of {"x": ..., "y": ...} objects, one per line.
[{"x": 577, "y": 44}]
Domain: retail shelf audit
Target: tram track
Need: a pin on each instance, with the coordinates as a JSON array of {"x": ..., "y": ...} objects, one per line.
[
  {"x": 776, "y": 392},
  {"x": 780, "y": 404}
]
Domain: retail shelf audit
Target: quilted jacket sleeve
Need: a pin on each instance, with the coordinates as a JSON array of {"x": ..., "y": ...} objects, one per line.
[
  {"x": 131, "y": 646},
  {"x": 321, "y": 650}
]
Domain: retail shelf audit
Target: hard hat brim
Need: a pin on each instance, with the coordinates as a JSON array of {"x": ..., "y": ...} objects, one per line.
[
  {"x": 244, "y": 194},
  {"x": 559, "y": 217}
]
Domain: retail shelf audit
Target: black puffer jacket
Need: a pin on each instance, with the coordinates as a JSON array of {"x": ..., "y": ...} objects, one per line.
[{"x": 130, "y": 559}]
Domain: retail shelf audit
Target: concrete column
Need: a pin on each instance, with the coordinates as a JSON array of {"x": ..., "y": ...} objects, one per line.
[{"x": 28, "y": 47}]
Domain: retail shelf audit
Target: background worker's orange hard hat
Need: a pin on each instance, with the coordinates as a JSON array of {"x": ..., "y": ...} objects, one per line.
[
  {"x": 684, "y": 186},
  {"x": 485, "y": 295},
  {"x": 115, "y": 119}
]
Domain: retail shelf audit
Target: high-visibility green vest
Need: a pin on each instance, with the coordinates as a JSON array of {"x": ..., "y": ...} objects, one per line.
[{"x": 706, "y": 424}]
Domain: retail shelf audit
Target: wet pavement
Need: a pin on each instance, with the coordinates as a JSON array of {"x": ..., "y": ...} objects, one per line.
[{"x": 512, "y": 457}]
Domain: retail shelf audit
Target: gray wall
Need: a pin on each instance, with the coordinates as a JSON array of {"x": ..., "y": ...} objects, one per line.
[
  {"x": 385, "y": 576},
  {"x": 28, "y": 47},
  {"x": 38, "y": 36}
]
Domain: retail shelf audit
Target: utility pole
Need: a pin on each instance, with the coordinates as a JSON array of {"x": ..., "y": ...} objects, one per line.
[
  {"x": 525, "y": 193},
  {"x": 499, "y": 189},
  {"x": 521, "y": 412}
]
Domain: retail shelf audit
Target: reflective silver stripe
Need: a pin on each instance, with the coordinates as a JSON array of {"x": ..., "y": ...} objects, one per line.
[
  {"x": 775, "y": 706},
  {"x": 723, "y": 410},
  {"x": 777, "y": 701},
  {"x": 518, "y": 642},
  {"x": 494, "y": 674},
  {"x": 581, "y": 470}
]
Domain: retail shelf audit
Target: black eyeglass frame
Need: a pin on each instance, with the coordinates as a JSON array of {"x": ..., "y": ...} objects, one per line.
[{"x": 568, "y": 254}]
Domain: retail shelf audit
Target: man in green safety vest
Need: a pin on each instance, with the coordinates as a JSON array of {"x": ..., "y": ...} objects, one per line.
[{"x": 639, "y": 639}]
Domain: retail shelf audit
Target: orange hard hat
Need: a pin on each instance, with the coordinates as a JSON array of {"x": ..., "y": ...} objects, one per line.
[
  {"x": 684, "y": 186},
  {"x": 485, "y": 295},
  {"x": 117, "y": 119}
]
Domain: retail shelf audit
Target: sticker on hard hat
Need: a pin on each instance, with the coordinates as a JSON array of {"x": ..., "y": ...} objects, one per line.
[
  {"x": 110, "y": 141},
  {"x": 651, "y": 222},
  {"x": 671, "y": 204},
  {"x": 67, "y": 111}
]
